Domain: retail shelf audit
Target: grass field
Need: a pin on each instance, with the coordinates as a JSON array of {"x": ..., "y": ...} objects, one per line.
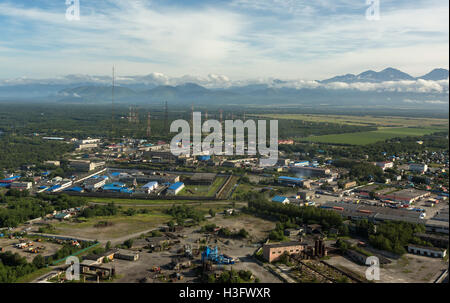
[
  {"x": 365, "y": 120},
  {"x": 362, "y": 138},
  {"x": 141, "y": 201},
  {"x": 203, "y": 190}
]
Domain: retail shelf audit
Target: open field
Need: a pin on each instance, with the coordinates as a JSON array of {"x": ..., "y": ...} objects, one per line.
[
  {"x": 408, "y": 269},
  {"x": 362, "y": 138},
  {"x": 364, "y": 120},
  {"x": 121, "y": 226},
  {"x": 142, "y": 201},
  {"x": 203, "y": 190}
]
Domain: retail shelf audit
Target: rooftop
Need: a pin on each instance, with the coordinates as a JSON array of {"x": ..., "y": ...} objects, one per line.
[
  {"x": 176, "y": 185},
  {"x": 285, "y": 244}
]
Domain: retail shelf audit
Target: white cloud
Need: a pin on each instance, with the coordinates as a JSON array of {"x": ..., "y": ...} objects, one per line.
[{"x": 245, "y": 39}]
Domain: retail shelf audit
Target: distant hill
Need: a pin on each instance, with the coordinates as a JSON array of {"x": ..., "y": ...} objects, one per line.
[
  {"x": 388, "y": 74},
  {"x": 436, "y": 74},
  {"x": 373, "y": 89}
]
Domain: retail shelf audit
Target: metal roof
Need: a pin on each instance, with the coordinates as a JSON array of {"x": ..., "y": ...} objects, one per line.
[
  {"x": 175, "y": 186},
  {"x": 285, "y": 178},
  {"x": 280, "y": 199}
]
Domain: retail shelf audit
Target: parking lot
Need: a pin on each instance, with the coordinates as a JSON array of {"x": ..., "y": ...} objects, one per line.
[{"x": 46, "y": 248}]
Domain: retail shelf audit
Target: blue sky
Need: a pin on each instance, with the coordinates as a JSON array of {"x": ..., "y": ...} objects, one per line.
[{"x": 287, "y": 39}]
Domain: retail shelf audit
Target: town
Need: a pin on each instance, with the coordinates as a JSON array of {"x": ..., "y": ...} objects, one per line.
[{"x": 132, "y": 211}]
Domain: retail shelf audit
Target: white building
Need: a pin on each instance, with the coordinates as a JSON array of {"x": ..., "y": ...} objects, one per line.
[
  {"x": 94, "y": 184},
  {"x": 175, "y": 188},
  {"x": 418, "y": 167},
  {"x": 385, "y": 165}
]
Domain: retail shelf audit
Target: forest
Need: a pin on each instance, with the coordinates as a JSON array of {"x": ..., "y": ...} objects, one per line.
[
  {"x": 18, "y": 150},
  {"x": 18, "y": 210}
]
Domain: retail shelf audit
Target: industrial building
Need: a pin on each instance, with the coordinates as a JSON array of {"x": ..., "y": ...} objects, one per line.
[
  {"x": 93, "y": 184},
  {"x": 55, "y": 163},
  {"x": 87, "y": 144},
  {"x": 435, "y": 239},
  {"x": 272, "y": 252},
  {"x": 160, "y": 178},
  {"x": 405, "y": 196},
  {"x": 175, "y": 188},
  {"x": 349, "y": 184},
  {"x": 301, "y": 163},
  {"x": 385, "y": 165},
  {"x": 126, "y": 255},
  {"x": 290, "y": 181},
  {"x": 85, "y": 165},
  {"x": 151, "y": 185},
  {"x": 21, "y": 185},
  {"x": 10, "y": 180},
  {"x": 437, "y": 226},
  {"x": 100, "y": 257},
  {"x": 427, "y": 251},
  {"x": 280, "y": 199},
  {"x": 310, "y": 171},
  {"x": 418, "y": 167}
]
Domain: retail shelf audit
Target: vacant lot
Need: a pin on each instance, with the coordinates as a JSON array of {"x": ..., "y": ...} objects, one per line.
[
  {"x": 118, "y": 226},
  {"x": 49, "y": 248},
  {"x": 408, "y": 269},
  {"x": 362, "y": 138},
  {"x": 258, "y": 228}
]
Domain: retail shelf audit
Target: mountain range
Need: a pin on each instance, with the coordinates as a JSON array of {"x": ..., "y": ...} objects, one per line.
[
  {"x": 389, "y": 86},
  {"x": 388, "y": 74}
]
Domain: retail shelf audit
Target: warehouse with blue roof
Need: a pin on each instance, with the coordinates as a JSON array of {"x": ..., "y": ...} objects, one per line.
[
  {"x": 280, "y": 199},
  {"x": 290, "y": 181},
  {"x": 175, "y": 188}
]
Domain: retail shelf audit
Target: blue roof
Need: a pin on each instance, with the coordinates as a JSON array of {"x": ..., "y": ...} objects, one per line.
[
  {"x": 76, "y": 189},
  {"x": 204, "y": 158},
  {"x": 126, "y": 191},
  {"x": 111, "y": 187},
  {"x": 115, "y": 174},
  {"x": 176, "y": 185},
  {"x": 11, "y": 178},
  {"x": 54, "y": 187},
  {"x": 4, "y": 184},
  {"x": 284, "y": 178},
  {"x": 115, "y": 184},
  {"x": 279, "y": 199}
]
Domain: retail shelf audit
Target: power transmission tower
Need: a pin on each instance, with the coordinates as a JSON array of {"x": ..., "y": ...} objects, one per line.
[
  {"x": 149, "y": 130},
  {"x": 112, "y": 102},
  {"x": 166, "y": 118}
]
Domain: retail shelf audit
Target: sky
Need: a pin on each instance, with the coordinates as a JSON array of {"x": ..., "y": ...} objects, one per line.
[{"x": 237, "y": 39}]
